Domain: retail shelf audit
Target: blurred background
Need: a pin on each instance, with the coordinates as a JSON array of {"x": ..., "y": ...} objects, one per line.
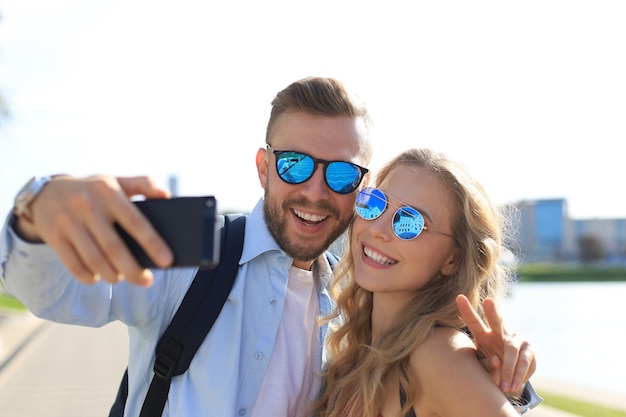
[{"x": 530, "y": 95}]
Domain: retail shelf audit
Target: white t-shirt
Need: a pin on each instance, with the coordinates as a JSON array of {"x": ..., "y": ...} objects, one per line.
[{"x": 291, "y": 381}]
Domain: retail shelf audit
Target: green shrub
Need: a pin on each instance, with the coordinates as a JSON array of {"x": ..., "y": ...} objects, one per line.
[{"x": 560, "y": 273}]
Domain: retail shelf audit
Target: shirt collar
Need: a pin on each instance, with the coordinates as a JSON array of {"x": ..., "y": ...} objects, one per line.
[{"x": 258, "y": 239}]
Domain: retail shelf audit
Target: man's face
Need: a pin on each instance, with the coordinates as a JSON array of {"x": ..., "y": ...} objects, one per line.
[{"x": 305, "y": 219}]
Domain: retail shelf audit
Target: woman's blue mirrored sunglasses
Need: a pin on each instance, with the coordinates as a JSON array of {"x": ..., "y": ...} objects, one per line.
[
  {"x": 296, "y": 167},
  {"x": 407, "y": 223}
]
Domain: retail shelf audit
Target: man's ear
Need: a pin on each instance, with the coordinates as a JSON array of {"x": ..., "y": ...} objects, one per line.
[
  {"x": 449, "y": 265},
  {"x": 262, "y": 164}
]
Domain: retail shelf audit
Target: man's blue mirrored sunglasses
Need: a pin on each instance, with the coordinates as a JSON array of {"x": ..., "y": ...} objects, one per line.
[
  {"x": 296, "y": 167},
  {"x": 407, "y": 223}
]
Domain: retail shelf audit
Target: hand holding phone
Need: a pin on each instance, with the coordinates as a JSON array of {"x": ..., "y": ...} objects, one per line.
[{"x": 187, "y": 224}]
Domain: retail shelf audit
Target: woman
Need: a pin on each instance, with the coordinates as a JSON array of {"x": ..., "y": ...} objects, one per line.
[{"x": 427, "y": 233}]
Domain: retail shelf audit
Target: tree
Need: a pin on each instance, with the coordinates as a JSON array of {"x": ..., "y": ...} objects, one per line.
[{"x": 591, "y": 249}]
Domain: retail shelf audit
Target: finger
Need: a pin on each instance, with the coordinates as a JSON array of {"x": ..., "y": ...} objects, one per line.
[
  {"x": 500, "y": 337},
  {"x": 511, "y": 345},
  {"x": 473, "y": 321},
  {"x": 91, "y": 257},
  {"x": 75, "y": 266},
  {"x": 106, "y": 253},
  {"x": 96, "y": 203},
  {"x": 117, "y": 254},
  {"x": 495, "y": 362},
  {"x": 525, "y": 367},
  {"x": 145, "y": 186},
  {"x": 59, "y": 234},
  {"x": 76, "y": 217},
  {"x": 130, "y": 218},
  {"x": 70, "y": 258},
  {"x": 494, "y": 319},
  {"x": 491, "y": 367},
  {"x": 78, "y": 249},
  {"x": 135, "y": 223},
  {"x": 113, "y": 193},
  {"x": 492, "y": 364},
  {"x": 511, "y": 362}
]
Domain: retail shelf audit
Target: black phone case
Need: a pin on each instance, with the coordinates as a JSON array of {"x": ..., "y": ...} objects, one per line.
[{"x": 187, "y": 224}]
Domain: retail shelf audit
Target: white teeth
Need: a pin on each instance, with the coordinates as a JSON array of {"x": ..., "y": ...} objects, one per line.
[
  {"x": 309, "y": 217},
  {"x": 375, "y": 256}
]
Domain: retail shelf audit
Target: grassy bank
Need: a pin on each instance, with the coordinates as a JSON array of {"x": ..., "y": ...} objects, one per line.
[
  {"x": 579, "y": 408},
  {"x": 559, "y": 273},
  {"x": 10, "y": 303}
]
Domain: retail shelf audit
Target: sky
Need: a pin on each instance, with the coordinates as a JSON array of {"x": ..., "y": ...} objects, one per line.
[{"x": 530, "y": 95}]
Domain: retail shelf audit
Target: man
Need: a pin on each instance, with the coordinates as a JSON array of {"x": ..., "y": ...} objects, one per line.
[{"x": 263, "y": 353}]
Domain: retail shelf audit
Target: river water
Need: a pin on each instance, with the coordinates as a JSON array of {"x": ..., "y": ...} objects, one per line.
[{"x": 578, "y": 330}]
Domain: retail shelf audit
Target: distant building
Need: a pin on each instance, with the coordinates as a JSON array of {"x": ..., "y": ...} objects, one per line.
[
  {"x": 173, "y": 185},
  {"x": 610, "y": 232},
  {"x": 546, "y": 233}
]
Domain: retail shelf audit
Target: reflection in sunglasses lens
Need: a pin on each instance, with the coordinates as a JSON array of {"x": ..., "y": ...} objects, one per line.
[
  {"x": 370, "y": 203},
  {"x": 296, "y": 168},
  {"x": 407, "y": 222}
]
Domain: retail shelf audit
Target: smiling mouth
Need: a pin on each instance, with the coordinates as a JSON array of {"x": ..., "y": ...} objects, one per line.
[
  {"x": 377, "y": 257},
  {"x": 310, "y": 219}
]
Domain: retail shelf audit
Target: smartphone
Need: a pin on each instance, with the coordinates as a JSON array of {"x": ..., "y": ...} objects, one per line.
[{"x": 187, "y": 224}]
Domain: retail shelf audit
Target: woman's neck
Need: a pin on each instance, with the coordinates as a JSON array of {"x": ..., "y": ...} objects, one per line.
[{"x": 385, "y": 309}]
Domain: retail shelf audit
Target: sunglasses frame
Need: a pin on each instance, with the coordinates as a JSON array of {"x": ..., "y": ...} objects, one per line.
[
  {"x": 399, "y": 211},
  {"x": 316, "y": 162}
]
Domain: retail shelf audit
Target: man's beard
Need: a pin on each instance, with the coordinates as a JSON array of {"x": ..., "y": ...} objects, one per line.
[{"x": 275, "y": 215}]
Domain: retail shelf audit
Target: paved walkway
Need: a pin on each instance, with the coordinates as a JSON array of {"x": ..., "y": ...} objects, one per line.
[
  {"x": 80, "y": 378},
  {"x": 16, "y": 329},
  {"x": 62, "y": 370}
]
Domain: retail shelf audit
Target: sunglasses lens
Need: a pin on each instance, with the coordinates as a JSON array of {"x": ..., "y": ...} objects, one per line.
[
  {"x": 408, "y": 223},
  {"x": 370, "y": 203},
  {"x": 343, "y": 177},
  {"x": 294, "y": 167}
]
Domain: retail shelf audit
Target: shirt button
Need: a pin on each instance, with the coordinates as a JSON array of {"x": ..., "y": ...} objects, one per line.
[
  {"x": 273, "y": 300},
  {"x": 242, "y": 412},
  {"x": 258, "y": 355}
]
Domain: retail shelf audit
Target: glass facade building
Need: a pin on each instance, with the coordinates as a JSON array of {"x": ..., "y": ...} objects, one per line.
[{"x": 545, "y": 233}]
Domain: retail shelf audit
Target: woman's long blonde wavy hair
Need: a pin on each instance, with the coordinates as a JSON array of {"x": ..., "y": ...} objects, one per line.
[{"x": 355, "y": 381}]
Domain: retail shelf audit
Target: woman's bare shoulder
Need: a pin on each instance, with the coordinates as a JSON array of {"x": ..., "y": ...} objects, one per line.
[{"x": 442, "y": 349}]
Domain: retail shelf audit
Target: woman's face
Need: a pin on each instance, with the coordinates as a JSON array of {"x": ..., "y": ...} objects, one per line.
[{"x": 385, "y": 263}]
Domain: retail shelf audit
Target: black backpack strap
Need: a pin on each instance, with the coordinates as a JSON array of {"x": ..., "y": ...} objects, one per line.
[
  {"x": 194, "y": 318},
  {"x": 117, "y": 409},
  {"x": 191, "y": 323}
]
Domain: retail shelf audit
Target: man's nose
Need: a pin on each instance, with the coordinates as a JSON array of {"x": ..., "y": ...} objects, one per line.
[{"x": 316, "y": 189}]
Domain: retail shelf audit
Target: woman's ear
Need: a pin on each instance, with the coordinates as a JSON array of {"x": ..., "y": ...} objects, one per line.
[{"x": 449, "y": 265}]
